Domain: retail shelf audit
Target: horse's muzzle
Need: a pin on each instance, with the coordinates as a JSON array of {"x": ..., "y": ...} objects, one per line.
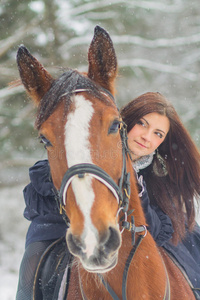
[{"x": 104, "y": 257}]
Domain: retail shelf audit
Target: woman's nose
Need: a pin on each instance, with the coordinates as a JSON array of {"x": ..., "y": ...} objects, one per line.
[{"x": 146, "y": 135}]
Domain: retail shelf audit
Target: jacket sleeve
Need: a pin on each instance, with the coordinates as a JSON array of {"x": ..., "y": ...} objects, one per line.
[
  {"x": 41, "y": 206},
  {"x": 39, "y": 194},
  {"x": 159, "y": 224}
]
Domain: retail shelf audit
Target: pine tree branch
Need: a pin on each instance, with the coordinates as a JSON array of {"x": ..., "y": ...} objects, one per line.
[
  {"x": 18, "y": 35},
  {"x": 150, "y": 5},
  {"x": 8, "y": 91},
  {"x": 163, "y": 68},
  {"x": 136, "y": 40}
]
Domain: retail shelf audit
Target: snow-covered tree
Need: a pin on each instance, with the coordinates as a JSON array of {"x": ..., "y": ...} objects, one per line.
[{"x": 157, "y": 44}]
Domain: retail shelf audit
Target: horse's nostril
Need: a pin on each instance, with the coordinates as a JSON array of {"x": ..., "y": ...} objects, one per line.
[
  {"x": 74, "y": 244},
  {"x": 115, "y": 236},
  {"x": 99, "y": 253},
  {"x": 111, "y": 241}
]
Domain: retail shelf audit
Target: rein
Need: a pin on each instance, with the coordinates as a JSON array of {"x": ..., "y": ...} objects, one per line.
[{"x": 125, "y": 273}]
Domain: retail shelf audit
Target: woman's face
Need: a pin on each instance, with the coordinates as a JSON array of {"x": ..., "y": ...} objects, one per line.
[{"x": 146, "y": 136}]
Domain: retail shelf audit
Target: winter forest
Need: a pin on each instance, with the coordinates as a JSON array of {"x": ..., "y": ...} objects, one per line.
[{"x": 157, "y": 43}]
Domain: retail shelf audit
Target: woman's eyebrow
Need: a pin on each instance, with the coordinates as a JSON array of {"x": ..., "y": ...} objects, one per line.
[
  {"x": 145, "y": 120},
  {"x": 161, "y": 130},
  {"x": 156, "y": 129}
]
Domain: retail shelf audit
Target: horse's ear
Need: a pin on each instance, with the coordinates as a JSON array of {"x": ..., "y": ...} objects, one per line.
[
  {"x": 36, "y": 80},
  {"x": 102, "y": 60}
]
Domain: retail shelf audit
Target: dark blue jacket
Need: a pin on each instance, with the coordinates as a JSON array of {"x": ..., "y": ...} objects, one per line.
[
  {"x": 159, "y": 224},
  {"x": 47, "y": 224},
  {"x": 187, "y": 252},
  {"x": 41, "y": 207}
]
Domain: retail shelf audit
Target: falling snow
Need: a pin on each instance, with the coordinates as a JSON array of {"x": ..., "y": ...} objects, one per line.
[{"x": 13, "y": 229}]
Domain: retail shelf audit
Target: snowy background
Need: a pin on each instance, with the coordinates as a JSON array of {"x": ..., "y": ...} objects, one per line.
[
  {"x": 12, "y": 236},
  {"x": 158, "y": 48}
]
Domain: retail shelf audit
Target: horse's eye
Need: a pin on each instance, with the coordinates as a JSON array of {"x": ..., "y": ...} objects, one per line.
[
  {"x": 44, "y": 141},
  {"x": 114, "y": 127}
]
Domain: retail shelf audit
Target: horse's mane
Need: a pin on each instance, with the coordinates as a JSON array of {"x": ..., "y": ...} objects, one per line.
[{"x": 65, "y": 86}]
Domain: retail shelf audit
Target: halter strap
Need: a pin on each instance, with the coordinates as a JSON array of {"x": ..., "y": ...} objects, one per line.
[
  {"x": 121, "y": 191},
  {"x": 80, "y": 89},
  {"x": 82, "y": 170}
]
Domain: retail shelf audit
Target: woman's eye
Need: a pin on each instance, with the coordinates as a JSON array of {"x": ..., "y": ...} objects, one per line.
[
  {"x": 114, "y": 127},
  {"x": 160, "y": 135},
  {"x": 140, "y": 122},
  {"x": 44, "y": 141}
]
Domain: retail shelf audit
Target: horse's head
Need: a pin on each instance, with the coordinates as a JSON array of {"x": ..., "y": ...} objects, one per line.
[{"x": 78, "y": 122}]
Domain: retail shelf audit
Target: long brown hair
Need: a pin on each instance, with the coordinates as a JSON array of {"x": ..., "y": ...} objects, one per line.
[{"x": 174, "y": 193}]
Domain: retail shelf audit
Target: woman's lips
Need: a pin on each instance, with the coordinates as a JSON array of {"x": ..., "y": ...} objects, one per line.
[{"x": 141, "y": 145}]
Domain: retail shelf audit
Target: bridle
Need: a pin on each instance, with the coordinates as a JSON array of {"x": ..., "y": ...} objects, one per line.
[{"x": 121, "y": 191}]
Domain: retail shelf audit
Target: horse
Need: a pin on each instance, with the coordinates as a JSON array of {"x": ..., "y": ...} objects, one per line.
[{"x": 114, "y": 255}]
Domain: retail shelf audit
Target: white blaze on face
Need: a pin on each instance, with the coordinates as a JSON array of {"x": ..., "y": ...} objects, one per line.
[{"x": 78, "y": 151}]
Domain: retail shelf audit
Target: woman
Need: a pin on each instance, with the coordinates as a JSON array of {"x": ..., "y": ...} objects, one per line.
[
  {"x": 164, "y": 154},
  {"x": 152, "y": 125}
]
